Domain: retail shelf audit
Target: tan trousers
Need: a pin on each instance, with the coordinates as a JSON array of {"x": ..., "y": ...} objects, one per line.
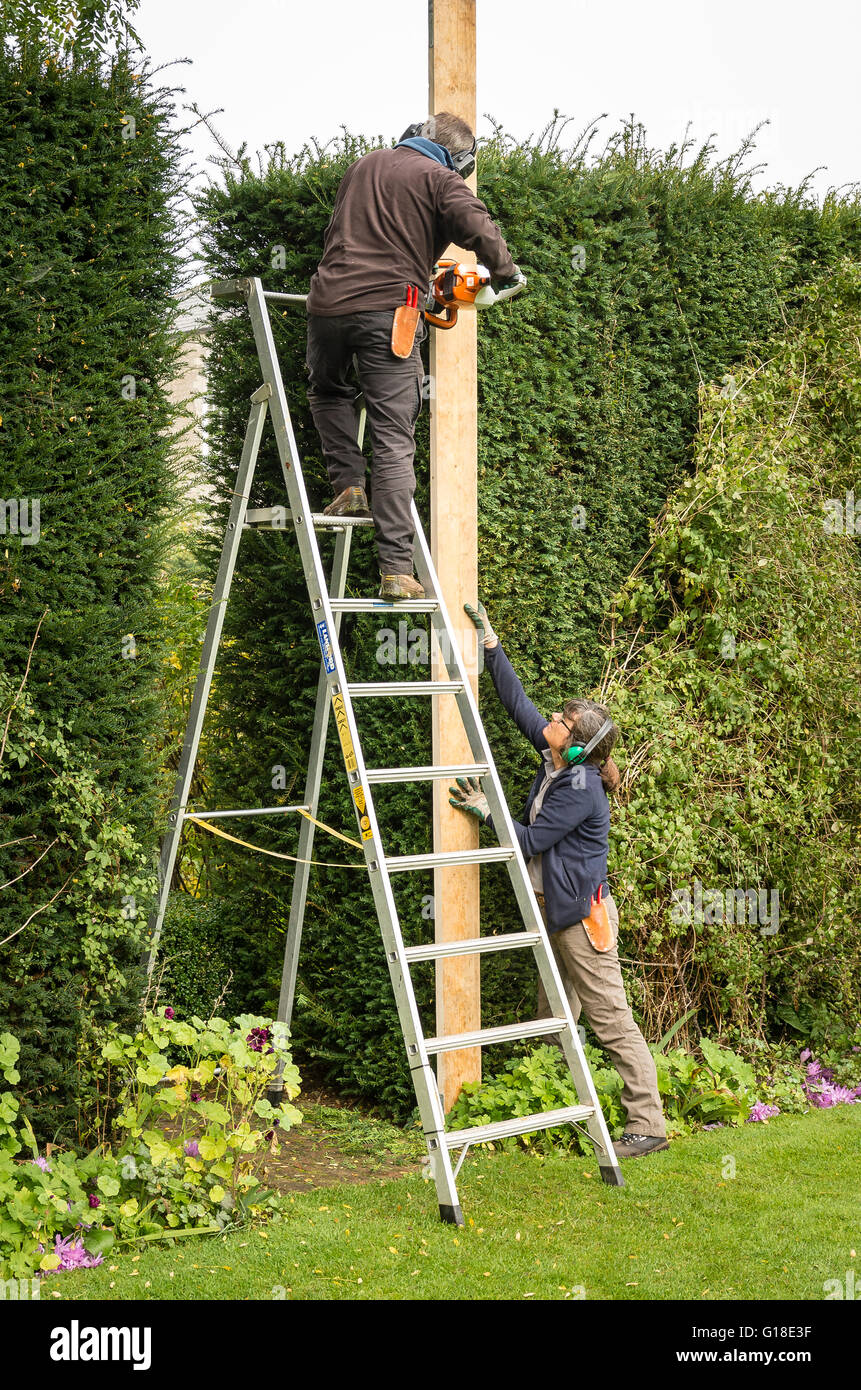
[{"x": 593, "y": 982}]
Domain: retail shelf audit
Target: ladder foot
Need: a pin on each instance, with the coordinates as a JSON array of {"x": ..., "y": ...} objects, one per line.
[
  {"x": 612, "y": 1176},
  {"x": 453, "y": 1215}
]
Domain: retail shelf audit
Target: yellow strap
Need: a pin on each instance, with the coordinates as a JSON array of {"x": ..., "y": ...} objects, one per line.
[{"x": 206, "y": 825}]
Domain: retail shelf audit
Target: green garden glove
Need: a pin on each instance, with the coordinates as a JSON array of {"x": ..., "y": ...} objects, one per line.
[
  {"x": 482, "y": 622},
  {"x": 468, "y": 796}
]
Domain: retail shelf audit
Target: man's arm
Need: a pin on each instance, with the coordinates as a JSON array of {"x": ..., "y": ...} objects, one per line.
[{"x": 464, "y": 220}]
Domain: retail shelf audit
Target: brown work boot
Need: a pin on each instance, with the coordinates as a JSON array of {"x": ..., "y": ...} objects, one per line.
[
  {"x": 394, "y": 586},
  {"x": 353, "y": 501}
]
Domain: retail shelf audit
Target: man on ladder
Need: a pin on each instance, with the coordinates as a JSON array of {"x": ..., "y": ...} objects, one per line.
[{"x": 395, "y": 213}]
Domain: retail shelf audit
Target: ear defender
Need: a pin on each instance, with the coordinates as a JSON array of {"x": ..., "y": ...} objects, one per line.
[{"x": 576, "y": 753}]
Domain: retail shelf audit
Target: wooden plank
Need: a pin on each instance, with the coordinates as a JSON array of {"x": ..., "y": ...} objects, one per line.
[{"x": 454, "y": 544}]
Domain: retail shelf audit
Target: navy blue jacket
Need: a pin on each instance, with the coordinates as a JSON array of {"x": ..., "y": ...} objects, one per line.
[{"x": 571, "y": 829}]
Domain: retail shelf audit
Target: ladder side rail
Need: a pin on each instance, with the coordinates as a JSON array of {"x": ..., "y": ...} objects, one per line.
[
  {"x": 203, "y": 682},
  {"x": 525, "y": 895},
  {"x": 430, "y": 1107}
]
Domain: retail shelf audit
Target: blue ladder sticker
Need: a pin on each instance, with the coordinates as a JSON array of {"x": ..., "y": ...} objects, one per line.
[{"x": 326, "y": 648}]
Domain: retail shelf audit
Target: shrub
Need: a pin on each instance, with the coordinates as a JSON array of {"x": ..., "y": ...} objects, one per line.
[
  {"x": 92, "y": 170},
  {"x": 186, "y": 1156}
]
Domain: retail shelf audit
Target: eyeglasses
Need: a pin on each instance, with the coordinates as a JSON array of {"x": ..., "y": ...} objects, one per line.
[{"x": 559, "y": 720}]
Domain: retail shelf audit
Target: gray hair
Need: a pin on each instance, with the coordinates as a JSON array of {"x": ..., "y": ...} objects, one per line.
[{"x": 449, "y": 130}]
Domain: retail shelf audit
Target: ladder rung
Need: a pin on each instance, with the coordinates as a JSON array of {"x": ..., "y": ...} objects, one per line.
[
  {"x": 509, "y": 1032},
  {"x": 524, "y": 1124},
  {"x": 358, "y": 689},
  {"x": 472, "y": 945},
  {"x": 319, "y": 520},
  {"x": 384, "y": 605},
  {"x": 452, "y": 856},
  {"x": 268, "y": 518},
  {"x": 249, "y": 811},
  {"x": 426, "y": 774}
]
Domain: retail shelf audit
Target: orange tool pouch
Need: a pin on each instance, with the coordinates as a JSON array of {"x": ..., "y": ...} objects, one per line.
[
  {"x": 404, "y": 324},
  {"x": 597, "y": 924}
]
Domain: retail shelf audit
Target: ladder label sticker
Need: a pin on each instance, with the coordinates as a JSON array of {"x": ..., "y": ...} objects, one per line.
[
  {"x": 326, "y": 648},
  {"x": 364, "y": 820},
  {"x": 344, "y": 732}
]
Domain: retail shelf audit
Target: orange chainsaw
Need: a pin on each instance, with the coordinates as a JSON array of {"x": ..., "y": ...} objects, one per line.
[{"x": 455, "y": 286}]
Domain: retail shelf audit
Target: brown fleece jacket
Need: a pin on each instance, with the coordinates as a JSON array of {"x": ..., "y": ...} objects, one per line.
[{"x": 395, "y": 214}]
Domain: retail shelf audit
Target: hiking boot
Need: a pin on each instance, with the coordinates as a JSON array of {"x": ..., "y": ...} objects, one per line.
[
  {"x": 635, "y": 1145},
  {"x": 394, "y": 586},
  {"x": 353, "y": 501}
]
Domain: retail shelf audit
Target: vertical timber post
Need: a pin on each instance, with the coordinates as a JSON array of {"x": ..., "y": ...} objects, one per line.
[{"x": 454, "y": 544}]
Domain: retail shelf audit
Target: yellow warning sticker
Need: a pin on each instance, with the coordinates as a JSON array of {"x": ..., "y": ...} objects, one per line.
[
  {"x": 364, "y": 820},
  {"x": 344, "y": 732}
]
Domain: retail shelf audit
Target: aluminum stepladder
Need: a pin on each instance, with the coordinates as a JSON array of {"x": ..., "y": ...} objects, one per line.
[{"x": 336, "y": 694}]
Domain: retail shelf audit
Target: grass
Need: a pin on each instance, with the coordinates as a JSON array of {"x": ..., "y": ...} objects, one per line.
[{"x": 546, "y": 1228}]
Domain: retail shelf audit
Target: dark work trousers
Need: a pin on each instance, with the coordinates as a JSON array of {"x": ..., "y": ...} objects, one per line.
[{"x": 392, "y": 388}]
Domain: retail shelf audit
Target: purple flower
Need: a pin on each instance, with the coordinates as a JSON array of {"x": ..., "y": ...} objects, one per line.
[
  {"x": 256, "y": 1038},
  {"x": 42, "y": 1163},
  {"x": 93, "y": 1200},
  {"x": 827, "y": 1094},
  {"x": 191, "y": 1149},
  {"x": 168, "y": 1013},
  {"x": 814, "y": 1069},
  {"x": 718, "y": 1125},
  {"x": 806, "y": 1055},
  {"x": 73, "y": 1255},
  {"x": 195, "y": 1096},
  {"x": 762, "y": 1111}
]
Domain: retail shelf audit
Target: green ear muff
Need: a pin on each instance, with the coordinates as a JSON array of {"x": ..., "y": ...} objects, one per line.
[{"x": 576, "y": 753}]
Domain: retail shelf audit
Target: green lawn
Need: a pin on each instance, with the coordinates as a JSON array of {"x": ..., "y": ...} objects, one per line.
[{"x": 537, "y": 1228}]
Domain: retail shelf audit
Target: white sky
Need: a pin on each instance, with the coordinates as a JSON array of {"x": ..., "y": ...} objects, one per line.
[{"x": 291, "y": 71}]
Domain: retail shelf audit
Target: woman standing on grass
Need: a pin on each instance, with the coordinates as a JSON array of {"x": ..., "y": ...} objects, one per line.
[{"x": 563, "y": 835}]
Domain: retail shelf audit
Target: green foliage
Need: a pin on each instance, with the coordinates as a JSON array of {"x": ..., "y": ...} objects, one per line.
[
  {"x": 718, "y": 1087},
  {"x": 588, "y": 396},
  {"x": 56, "y": 982},
  {"x": 738, "y": 756},
  {"x": 532, "y": 1083},
  {"x": 92, "y": 241},
  {"x": 195, "y": 975},
  {"x": 186, "y": 1158}
]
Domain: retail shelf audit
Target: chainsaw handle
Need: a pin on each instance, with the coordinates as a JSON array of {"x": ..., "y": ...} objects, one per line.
[{"x": 439, "y": 322}]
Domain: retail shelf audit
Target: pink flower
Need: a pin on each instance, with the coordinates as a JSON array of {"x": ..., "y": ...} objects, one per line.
[
  {"x": 762, "y": 1111},
  {"x": 169, "y": 1013},
  {"x": 73, "y": 1255}
]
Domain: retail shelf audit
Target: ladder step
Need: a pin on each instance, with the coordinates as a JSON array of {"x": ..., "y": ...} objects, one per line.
[
  {"x": 483, "y": 1037},
  {"x": 382, "y": 605},
  {"x": 359, "y": 689},
  {"x": 426, "y": 774},
  {"x": 451, "y": 856},
  {"x": 472, "y": 945},
  {"x": 524, "y": 1124},
  {"x": 319, "y": 520}
]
